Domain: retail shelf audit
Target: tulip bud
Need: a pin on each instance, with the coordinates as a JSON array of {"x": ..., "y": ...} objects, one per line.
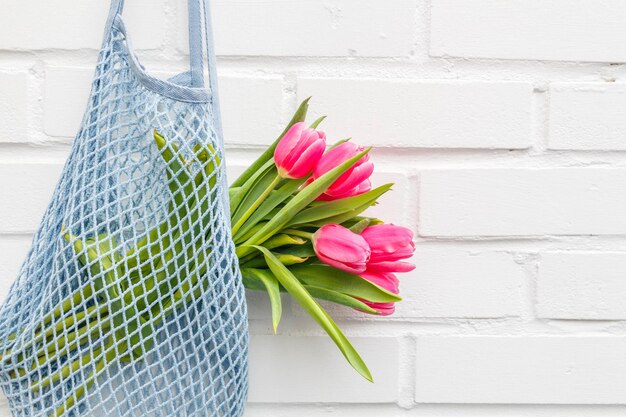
[
  {"x": 298, "y": 151},
  {"x": 389, "y": 244},
  {"x": 354, "y": 181},
  {"x": 340, "y": 248}
]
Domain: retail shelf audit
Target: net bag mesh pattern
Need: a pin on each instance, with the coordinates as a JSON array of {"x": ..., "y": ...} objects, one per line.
[{"x": 130, "y": 301}]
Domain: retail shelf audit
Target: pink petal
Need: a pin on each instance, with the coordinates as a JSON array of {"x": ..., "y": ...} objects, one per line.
[
  {"x": 335, "y": 157},
  {"x": 351, "y": 182},
  {"x": 389, "y": 242},
  {"x": 304, "y": 165},
  {"x": 387, "y": 281},
  {"x": 287, "y": 143},
  {"x": 341, "y": 248},
  {"x": 395, "y": 266}
]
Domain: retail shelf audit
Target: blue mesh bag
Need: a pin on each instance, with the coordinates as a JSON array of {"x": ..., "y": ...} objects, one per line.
[{"x": 130, "y": 301}]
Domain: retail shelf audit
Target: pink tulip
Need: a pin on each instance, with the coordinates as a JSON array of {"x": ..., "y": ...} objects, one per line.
[
  {"x": 384, "y": 309},
  {"x": 354, "y": 181},
  {"x": 389, "y": 244},
  {"x": 384, "y": 280},
  {"x": 340, "y": 248},
  {"x": 298, "y": 151}
]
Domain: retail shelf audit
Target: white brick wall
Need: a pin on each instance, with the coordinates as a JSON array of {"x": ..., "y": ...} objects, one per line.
[
  {"x": 557, "y": 30},
  {"x": 443, "y": 114},
  {"x": 582, "y": 285},
  {"x": 587, "y": 116},
  {"x": 502, "y": 124}
]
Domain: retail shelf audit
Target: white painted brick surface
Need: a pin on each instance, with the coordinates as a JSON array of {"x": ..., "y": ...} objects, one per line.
[
  {"x": 522, "y": 202},
  {"x": 76, "y": 24},
  {"x": 511, "y": 170},
  {"x": 13, "y": 106},
  {"x": 461, "y": 283},
  {"x": 13, "y": 250},
  {"x": 433, "y": 114},
  {"x": 310, "y": 28},
  {"x": 582, "y": 285},
  {"x": 26, "y": 190},
  {"x": 587, "y": 116},
  {"x": 323, "y": 377},
  {"x": 568, "y": 30},
  {"x": 65, "y": 99},
  {"x": 389, "y": 207},
  {"x": 251, "y": 109},
  {"x": 521, "y": 370}
]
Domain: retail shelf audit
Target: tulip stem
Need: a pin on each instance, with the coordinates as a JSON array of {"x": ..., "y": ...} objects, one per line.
[
  {"x": 256, "y": 204},
  {"x": 299, "y": 233}
]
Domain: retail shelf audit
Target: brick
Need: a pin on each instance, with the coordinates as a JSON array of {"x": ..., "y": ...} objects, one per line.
[
  {"x": 433, "y": 410},
  {"x": 251, "y": 109},
  {"x": 71, "y": 24},
  {"x": 4, "y": 407},
  {"x": 311, "y": 369},
  {"x": 14, "y": 107},
  {"x": 441, "y": 114},
  {"x": 251, "y": 106},
  {"x": 13, "y": 251},
  {"x": 521, "y": 370},
  {"x": 582, "y": 286},
  {"x": 564, "y": 30},
  {"x": 461, "y": 283},
  {"x": 310, "y": 28},
  {"x": 29, "y": 187},
  {"x": 66, "y": 95},
  {"x": 318, "y": 410},
  {"x": 587, "y": 116},
  {"x": 233, "y": 169},
  {"x": 522, "y": 202}
]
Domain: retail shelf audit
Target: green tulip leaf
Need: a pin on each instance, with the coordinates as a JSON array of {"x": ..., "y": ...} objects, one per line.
[
  {"x": 251, "y": 281},
  {"x": 339, "y": 142},
  {"x": 327, "y": 277},
  {"x": 329, "y": 209},
  {"x": 339, "y": 298},
  {"x": 316, "y": 123},
  {"x": 248, "y": 186},
  {"x": 344, "y": 217},
  {"x": 303, "y": 251},
  {"x": 361, "y": 225},
  {"x": 273, "y": 290},
  {"x": 308, "y": 303},
  {"x": 281, "y": 240},
  {"x": 276, "y": 198}
]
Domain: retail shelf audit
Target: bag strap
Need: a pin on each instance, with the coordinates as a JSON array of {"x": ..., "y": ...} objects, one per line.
[{"x": 200, "y": 38}]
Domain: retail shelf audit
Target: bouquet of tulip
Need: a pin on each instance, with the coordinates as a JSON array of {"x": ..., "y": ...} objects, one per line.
[
  {"x": 297, "y": 225},
  {"x": 297, "y": 228}
]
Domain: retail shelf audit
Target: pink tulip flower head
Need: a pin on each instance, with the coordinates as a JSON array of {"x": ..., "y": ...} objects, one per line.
[
  {"x": 341, "y": 248},
  {"x": 385, "y": 280},
  {"x": 389, "y": 244},
  {"x": 354, "y": 181},
  {"x": 298, "y": 151}
]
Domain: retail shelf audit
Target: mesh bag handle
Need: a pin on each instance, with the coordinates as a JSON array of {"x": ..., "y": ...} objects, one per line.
[
  {"x": 201, "y": 48},
  {"x": 200, "y": 31}
]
